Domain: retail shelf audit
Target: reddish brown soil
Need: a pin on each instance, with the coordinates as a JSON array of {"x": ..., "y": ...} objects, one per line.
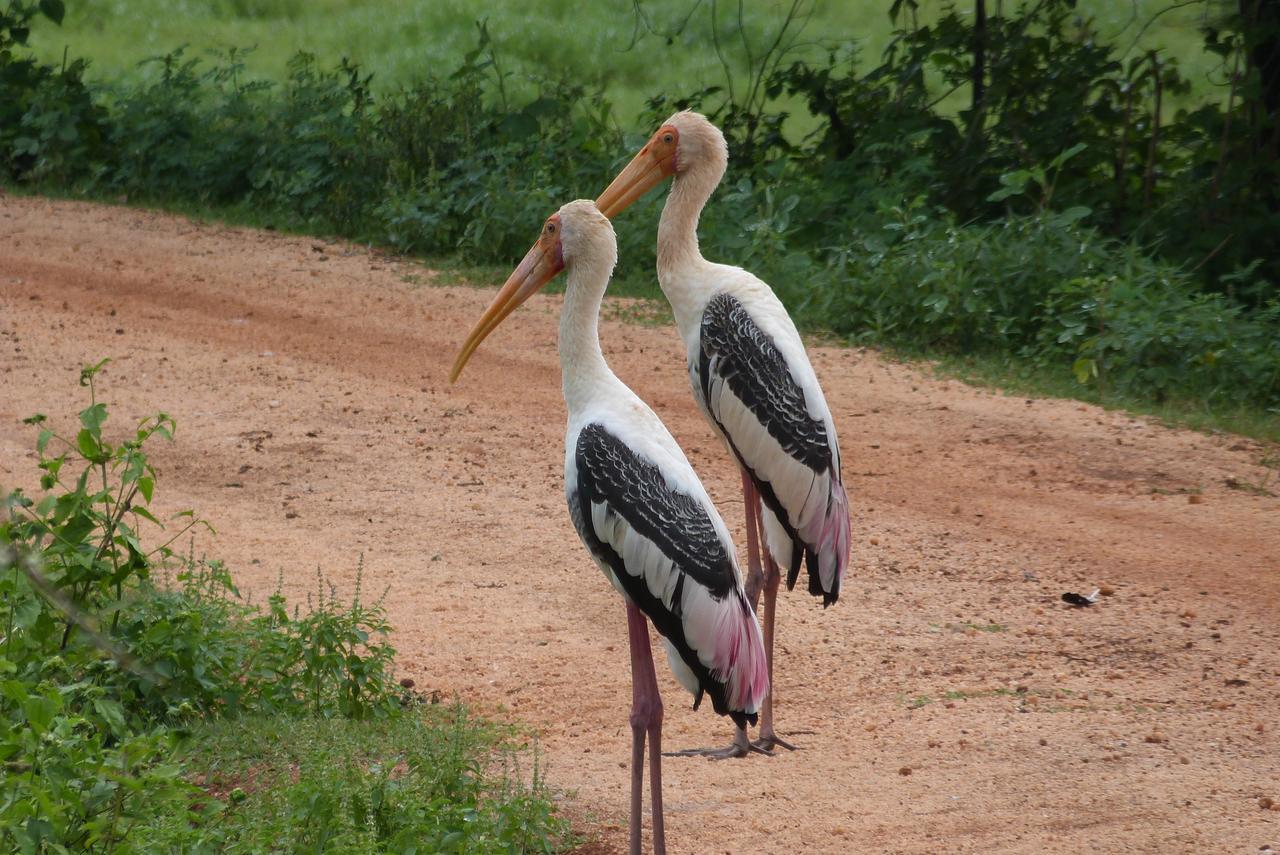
[{"x": 950, "y": 702}]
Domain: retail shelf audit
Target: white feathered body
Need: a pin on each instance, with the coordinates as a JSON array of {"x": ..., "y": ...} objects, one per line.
[
  {"x": 658, "y": 539},
  {"x": 781, "y": 428},
  {"x": 639, "y": 508}
]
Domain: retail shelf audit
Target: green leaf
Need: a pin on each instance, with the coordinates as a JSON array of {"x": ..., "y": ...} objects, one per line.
[
  {"x": 93, "y": 417},
  {"x": 111, "y": 712},
  {"x": 519, "y": 125},
  {"x": 76, "y": 529},
  {"x": 146, "y": 515},
  {"x": 40, "y": 711},
  {"x": 14, "y": 690},
  {"x": 54, "y": 10},
  {"x": 26, "y": 612},
  {"x": 87, "y": 372},
  {"x": 1062, "y": 158},
  {"x": 88, "y": 445},
  {"x": 1084, "y": 368},
  {"x": 1071, "y": 215},
  {"x": 43, "y": 440},
  {"x": 1015, "y": 184}
]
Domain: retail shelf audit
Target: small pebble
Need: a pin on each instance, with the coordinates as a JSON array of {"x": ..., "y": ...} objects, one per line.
[
  {"x": 905, "y": 770},
  {"x": 1107, "y": 591},
  {"x": 1155, "y": 737}
]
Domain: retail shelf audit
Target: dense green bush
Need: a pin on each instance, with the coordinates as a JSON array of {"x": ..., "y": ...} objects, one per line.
[
  {"x": 78, "y": 770},
  {"x": 51, "y": 129},
  {"x": 1197, "y": 186}
]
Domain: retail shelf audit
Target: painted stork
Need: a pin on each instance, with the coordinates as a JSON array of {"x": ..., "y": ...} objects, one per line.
[
  {"x": 752, "y": 380},
  {"x": 639, "y": 508}
]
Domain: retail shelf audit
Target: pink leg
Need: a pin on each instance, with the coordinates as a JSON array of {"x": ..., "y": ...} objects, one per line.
[
  {"x": 755, "y": 578},
  {"x": 772, "y": 577},
  {"x": 646, "y": 719}
]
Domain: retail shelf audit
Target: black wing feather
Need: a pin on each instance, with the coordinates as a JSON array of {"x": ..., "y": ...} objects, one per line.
[
  {"x": 746, "y": 358},
  {"x": 738, "y": 352},
  {"x": 610, "y": 473}
]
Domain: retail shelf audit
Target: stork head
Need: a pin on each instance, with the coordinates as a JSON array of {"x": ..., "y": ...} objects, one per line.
[
  {"x": 586, "y": 236},
  {"x": 685, "y": 143},
  {"x": 577, "y": 234}
]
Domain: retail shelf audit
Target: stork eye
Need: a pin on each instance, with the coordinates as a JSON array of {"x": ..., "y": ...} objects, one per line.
[
  {"x": 551, "y": 228},
  {"x": 668, "y": 138}
]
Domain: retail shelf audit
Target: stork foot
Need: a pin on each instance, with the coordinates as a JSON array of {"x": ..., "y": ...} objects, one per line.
[
  {"x": 732, "y": 752},
  {"x": 768, "y": 742},
  {"x": 741, "y": 747}
]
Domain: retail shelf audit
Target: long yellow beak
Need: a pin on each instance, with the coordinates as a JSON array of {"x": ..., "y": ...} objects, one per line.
[
  {"x": 646, "y": 170},
  {"x": 540, "y": 265}
]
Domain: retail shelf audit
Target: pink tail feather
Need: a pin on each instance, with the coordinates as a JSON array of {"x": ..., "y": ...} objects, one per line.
[
  {"x": 831, "y": 547},
  {"x": 739, "y": 659}
]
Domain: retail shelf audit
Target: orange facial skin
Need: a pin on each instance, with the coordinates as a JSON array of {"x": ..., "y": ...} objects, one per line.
[
  {"x": 652, "y": 165},
  {"x": 539, "y": 266}
]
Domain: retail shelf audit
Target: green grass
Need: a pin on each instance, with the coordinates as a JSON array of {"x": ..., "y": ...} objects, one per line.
[
  {"x": 1000, "y": 372},
  {"x": 920, "y": 701},
  {"x": 435, "y": 778},
  {"x": 980, "y": 627},
  {"x": 604, "y": 43}
]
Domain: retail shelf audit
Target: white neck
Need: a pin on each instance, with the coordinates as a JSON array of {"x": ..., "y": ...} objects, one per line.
[
  {"x": 678, "y": 254},
  {"x": 678, "y": 228},
  {"x": 582, "y": 363}
]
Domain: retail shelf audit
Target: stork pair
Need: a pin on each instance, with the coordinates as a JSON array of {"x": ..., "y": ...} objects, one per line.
[{"x": 635, "y": 500}]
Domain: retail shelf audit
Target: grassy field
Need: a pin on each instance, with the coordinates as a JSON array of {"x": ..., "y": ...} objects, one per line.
[{"x": 634, "y": 50}]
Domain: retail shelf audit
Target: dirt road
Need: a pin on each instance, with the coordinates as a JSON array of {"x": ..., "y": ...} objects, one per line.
[{"x": 950, "y": 702}]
